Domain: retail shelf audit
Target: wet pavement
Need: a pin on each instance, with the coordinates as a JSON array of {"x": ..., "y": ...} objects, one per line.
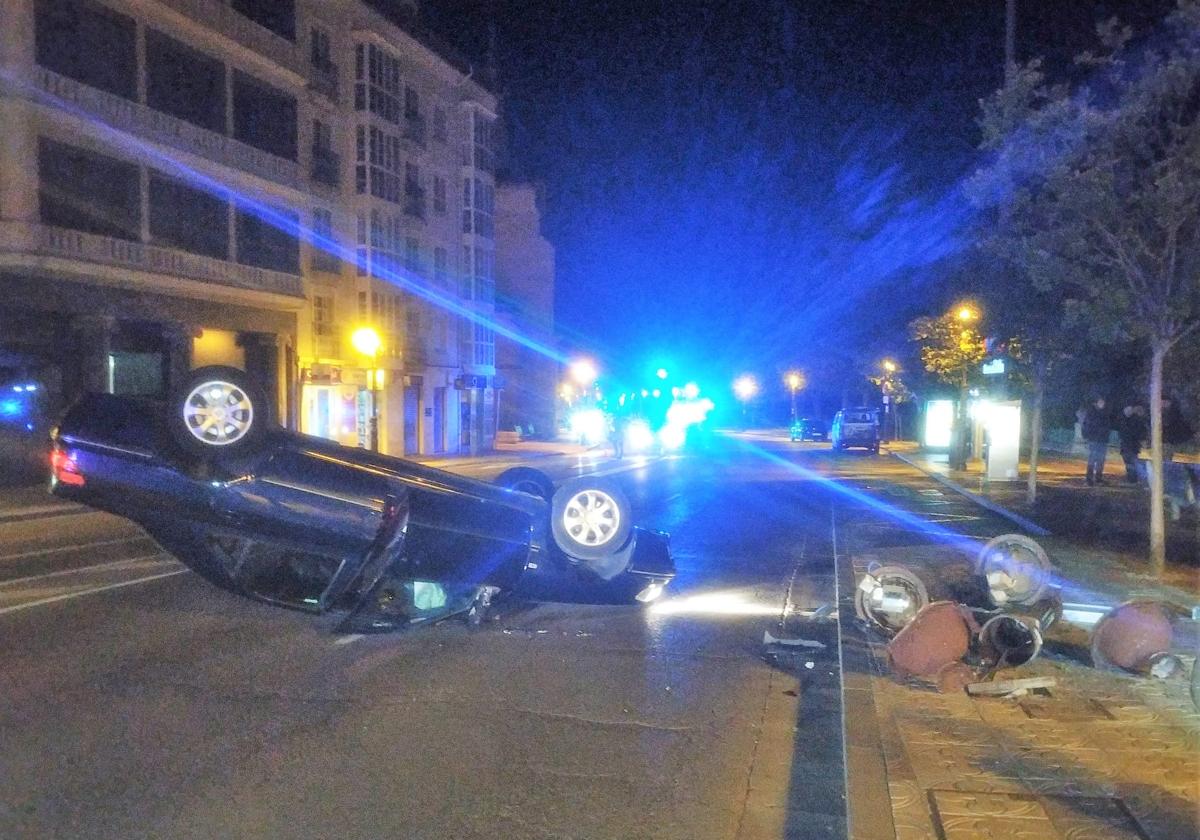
[{"x": 137, "y": 704}]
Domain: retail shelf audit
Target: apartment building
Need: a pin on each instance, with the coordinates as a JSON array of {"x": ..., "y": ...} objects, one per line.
[
  {"x": 525, "y": 300},
  {"x": 187, "y": 182}
]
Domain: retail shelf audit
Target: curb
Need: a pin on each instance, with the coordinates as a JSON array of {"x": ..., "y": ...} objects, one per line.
[{"x": 982, "y": 501}]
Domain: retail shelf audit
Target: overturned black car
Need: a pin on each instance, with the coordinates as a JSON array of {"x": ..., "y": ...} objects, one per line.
[{"x": 373, "y": 541}]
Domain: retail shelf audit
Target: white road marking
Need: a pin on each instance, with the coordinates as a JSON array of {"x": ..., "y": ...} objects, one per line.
[
  {"x": 68, "y": 596},
  {"x": 43, "y": 551},
  {"x": 115, "y": 564},
  {"x": 346, "y": 640}
]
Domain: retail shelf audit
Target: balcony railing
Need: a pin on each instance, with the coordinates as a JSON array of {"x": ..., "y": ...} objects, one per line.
[
  {"x": 326, "y": 166},
  {"x": 87, "y": 247},
  {"x": 323, "y": 78},
  {"x": 221, "y": 17},
  {"x": 163, "y": 128}
]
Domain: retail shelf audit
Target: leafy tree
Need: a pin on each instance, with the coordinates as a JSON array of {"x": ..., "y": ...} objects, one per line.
[
  {"x": 1098, "y": 189},
  {"x": 952, "y": 349}
]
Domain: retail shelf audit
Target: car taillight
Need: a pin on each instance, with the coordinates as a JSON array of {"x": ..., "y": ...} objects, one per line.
[{"x": 64, "y": 469}]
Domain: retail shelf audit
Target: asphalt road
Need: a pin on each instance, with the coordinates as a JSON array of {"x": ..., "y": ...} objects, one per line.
[{"x": 138, "y": 701}]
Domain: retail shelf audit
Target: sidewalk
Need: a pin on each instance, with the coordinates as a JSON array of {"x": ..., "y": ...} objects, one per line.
[
  {"x": 1100, "y": 754},
  {"x": 1098, "y": 534}
]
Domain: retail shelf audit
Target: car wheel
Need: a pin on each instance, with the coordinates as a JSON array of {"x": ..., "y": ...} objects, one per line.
[
  {"x": 217, "y": 411},
  {"x": 591, "y": 518},
  {"x": 527, "y": 480}
]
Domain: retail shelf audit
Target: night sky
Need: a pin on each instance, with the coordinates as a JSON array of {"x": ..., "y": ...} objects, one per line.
[{"x": 753, "y": 184}]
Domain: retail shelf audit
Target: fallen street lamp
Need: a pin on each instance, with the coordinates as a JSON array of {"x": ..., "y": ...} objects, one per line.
[{"x": 367, "y": 342}]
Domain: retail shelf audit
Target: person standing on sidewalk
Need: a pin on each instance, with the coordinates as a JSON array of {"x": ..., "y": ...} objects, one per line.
[
  {"x": 1131, "y": 431},
  {"x": 1096, "y": 428},
  {"x": 1176, "y": 431}
]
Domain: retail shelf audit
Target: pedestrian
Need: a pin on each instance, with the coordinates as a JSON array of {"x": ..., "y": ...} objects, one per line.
[
  {"x": 1176, "y": 431},
  {"x": 1096, "y": 428},
  {"x": 616, "y": 435},
  {"x": 1131, "y": 432}
]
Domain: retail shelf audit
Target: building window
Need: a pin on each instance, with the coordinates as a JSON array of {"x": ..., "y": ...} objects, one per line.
[
  {"x": 484, "y": 287},
  {"x": 264, "y": 117},
  {"x": 439, "y": 194},
  {"x": 484, "y": 144},
  {"x": 326, "y": 164},
  {"x": 279, "y": 16},
  {"x": 441, "y": 273},
  {"x": 485, "y": 346},
  {"x": 412, "y": 254},
  {"x": 188, "y": 219},
  {"x": 324, "y": 247},
  {"x": 414, "y": 122},
  {"x": 465, "y": 277},
  {"x": 378, "y": 164},
  {"x": 362, "y": 306},
  {"x": 439, "y": 124},
  {"x": 479, "y": 205},
  {"x": 320, "y": 49},
  {"x": 87, "y": 42},
  {"x": 85, "y": 191},
  {"x": 261, "y": 243},
  {"x": 324, "y": 327},
  {"x": 414, "y": 193},
  {"x": 377, "y": 82},
  {"x": 184, "y": 82}
]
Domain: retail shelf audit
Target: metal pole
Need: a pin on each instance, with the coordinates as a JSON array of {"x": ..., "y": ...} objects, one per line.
[{"x": 374, "y": 410}]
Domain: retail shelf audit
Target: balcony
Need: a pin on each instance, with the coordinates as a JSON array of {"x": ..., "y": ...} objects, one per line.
[
  {"x": 157, "y": 127},
  {"x": 219, "y": 16},
  {"x": 323, "y": 78},
  {"x": 49, "y": 241},
  {"x": 326, "y": 166}
]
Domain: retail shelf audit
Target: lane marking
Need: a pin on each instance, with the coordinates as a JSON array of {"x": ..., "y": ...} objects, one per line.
[
  {"x": 43, "y": 551},
  {"x": 345, "y": 640},
  {"x": 110, "y": 565},
  {"x": 44, "y": 601}
]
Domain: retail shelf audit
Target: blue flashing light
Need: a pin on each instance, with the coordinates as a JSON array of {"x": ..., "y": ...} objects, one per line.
[{"x": 11, "y": 408}]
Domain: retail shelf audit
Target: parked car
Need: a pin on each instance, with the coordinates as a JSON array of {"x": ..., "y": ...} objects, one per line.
[
  {"x": 808, "y": 428},
  {"x": 302, "y": 522},
  {"x": 856, "y": 427}
]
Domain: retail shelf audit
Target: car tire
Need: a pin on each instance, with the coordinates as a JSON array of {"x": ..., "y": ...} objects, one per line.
[
  {"x": 527, "y": 480},
  {"x": 217, "y": 411},
  {"x": 591, "y": 518}
]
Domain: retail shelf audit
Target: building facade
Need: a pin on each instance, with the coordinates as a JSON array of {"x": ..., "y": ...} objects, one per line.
[
  {"x": 525, "y": 300},
  {"x": 247, "y": 182}
]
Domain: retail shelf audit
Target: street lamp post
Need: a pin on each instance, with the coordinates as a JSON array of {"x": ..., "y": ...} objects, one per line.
[
  {"x": 964, "y": 313},
  {"x": 795, "y": 381},
  {"x": 368, "y": 343},
  {"x": 745, "y": 387}
]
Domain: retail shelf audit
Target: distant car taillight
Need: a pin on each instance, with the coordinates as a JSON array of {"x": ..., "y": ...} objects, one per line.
[{"x": 64, "y": 469}]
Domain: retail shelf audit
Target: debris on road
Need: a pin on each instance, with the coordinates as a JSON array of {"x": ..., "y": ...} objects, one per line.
[
  {"x": 1015, "y": 569},
  {"x": 939, "y": 635},
  {"x": 768, "y": 639},
  {"x": 1009, "y": 640},
  {"x": 1131, "y": 636},
  {"x": 889, "y": 597},
  {"x": 1006, "y": 688}
]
